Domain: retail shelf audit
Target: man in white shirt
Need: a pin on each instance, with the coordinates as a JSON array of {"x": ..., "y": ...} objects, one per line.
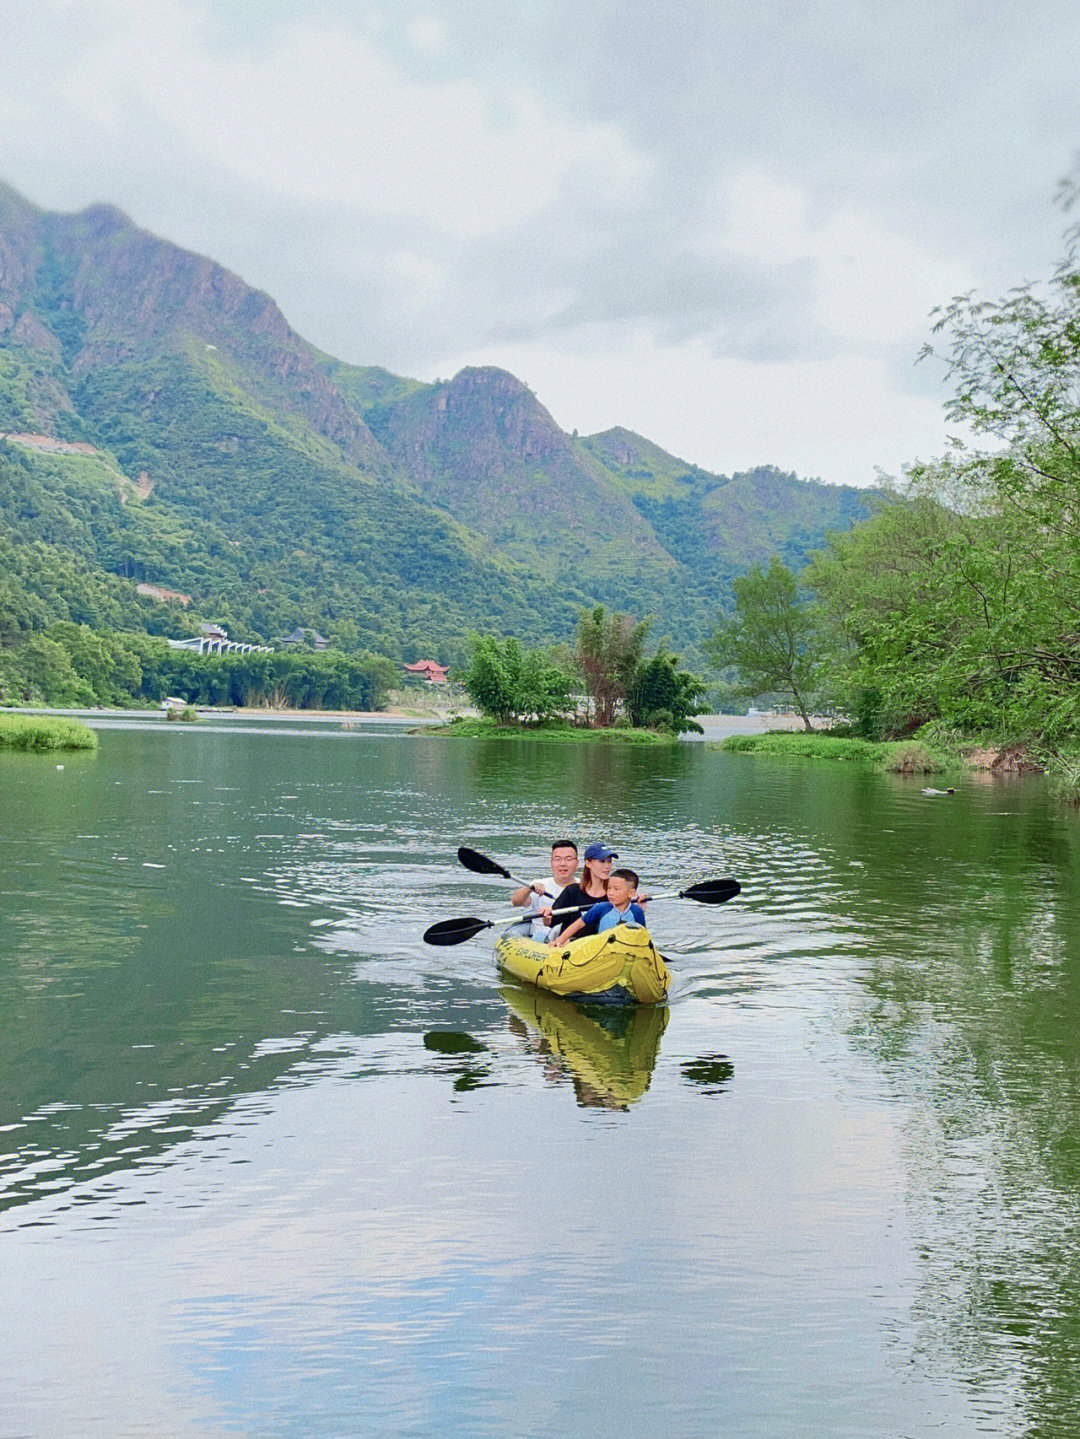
[{"x": 540, "y": 894}]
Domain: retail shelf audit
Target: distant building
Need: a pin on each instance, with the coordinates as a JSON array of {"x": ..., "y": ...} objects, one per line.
[
  {"x": 304, "y": 636},
  {"x": 435, "y": 674}
]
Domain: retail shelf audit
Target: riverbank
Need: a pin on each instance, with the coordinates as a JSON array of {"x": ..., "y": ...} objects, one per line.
[
  {"x": 153, "y": 713},
  {"x": 428, "y": 717},
  {"x": 466, "y": 728},
  {"x": 898, "y": 756},
  {"x": 937, "y": 754}
]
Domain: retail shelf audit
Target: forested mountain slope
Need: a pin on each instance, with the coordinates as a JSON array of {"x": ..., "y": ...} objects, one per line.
[{"x": 166, "y": 425}]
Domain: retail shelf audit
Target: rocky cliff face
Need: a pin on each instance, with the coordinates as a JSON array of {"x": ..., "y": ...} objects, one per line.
[
  {"x": 482, "y": 446},
  {"x": 96, "y": 289}
]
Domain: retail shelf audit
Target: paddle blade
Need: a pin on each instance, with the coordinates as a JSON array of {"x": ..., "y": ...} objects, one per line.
[
  {"x": 711, "y": 891},
  {"x": 455, "y": 931},
  {"x": 480, "y": 864}
]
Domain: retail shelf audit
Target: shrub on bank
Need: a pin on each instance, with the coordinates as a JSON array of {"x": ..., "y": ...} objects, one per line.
[
  {"x": 466, "y": 728},
  {"x": 899, "y": 756},
  {"x": 911, "y": 757},
  {"x": 1063, "y": 776},
  {"x": 30, "y": 732},
  {"x": 803, "y": 744}
]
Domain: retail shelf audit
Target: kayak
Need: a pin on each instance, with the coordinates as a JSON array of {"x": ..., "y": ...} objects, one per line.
[{"x": 619, "y": 966}]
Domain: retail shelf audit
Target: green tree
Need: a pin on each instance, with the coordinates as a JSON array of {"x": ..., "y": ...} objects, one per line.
[
  {"x": 41, "y": 671},
  {"x": 107, "y": 661},
  {"x": 770, "y": 639},
  {"x": 881, "y": 596},
  {"x": 662, "y": 696},
  {"x": 607, "y": 652},
  {"x": 961, "y": 599},
  {"x": 507, "y": 683},
  {"x": 489, "y": 680}
]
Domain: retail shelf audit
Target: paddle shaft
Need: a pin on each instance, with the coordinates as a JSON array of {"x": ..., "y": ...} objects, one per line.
[{"x": 581, "y": 908}]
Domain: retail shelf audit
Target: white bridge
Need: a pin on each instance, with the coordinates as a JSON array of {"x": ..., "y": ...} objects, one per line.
[{"x": 218, "y": 645}]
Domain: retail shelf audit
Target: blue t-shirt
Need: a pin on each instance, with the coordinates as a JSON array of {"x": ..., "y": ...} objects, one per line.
[{"x": 605, "y": 916}]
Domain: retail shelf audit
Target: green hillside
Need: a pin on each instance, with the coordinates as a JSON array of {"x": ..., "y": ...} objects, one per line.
[{"x": 168, "y": 427}]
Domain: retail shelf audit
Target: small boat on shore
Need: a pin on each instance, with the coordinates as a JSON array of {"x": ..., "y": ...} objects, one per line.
[{"x": 619, "y": 966}]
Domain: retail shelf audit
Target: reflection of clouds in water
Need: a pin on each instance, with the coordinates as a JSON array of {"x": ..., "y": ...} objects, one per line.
[
  {"x": 283, "y": 1044},
  {"x": 362, "y": 1233}
]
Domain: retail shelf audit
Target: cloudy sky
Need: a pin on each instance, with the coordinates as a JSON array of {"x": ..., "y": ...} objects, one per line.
[{"x": 722, "y": 224}]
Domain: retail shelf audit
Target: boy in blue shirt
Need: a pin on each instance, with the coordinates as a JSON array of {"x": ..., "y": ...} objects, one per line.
[{"x": 618, "y": 908}]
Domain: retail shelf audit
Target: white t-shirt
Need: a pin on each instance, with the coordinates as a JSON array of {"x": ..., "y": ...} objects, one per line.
[{"x": 536, "y": 902}]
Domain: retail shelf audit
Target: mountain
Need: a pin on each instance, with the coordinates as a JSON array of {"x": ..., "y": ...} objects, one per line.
[
  {"x": 483, "y": 447},
  {"x": 166, "y": 426}
]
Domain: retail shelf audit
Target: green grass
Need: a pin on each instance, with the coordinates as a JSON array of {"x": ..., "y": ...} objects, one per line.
[
  {"x": 26, "y": 732},
  {"x": 1063, "y": 775},
  {"x": 899, "y": 756},
  {"x": 571, "y": 734}
]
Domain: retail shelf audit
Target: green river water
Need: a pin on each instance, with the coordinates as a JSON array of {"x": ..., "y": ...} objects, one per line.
[{"x": 269, "y": 1165}]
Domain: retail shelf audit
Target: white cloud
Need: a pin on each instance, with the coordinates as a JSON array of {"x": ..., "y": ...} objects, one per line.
[
  {"x": 840, "y": 419},
  {"x": 427, "y": 33},
  {"x": 873, "y": 286},
  {"x": 321, "y": 114},
  {"x": 765, "y": 201}
]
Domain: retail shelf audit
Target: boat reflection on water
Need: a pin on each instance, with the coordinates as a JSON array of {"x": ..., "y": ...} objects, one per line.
[{"x": 608, "y": 1052}]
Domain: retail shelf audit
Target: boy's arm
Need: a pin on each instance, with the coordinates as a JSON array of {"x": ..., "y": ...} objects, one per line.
[{"x": 569, "y": 932}]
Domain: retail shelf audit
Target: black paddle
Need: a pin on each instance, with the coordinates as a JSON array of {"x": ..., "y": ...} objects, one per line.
[
  {"x": 481, "y": 864},
  {"x": 456, "y": 931}
]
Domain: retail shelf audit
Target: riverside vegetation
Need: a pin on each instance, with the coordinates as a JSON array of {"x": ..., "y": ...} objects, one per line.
[
  {"x": 40, "y": 734},
  {"x": 953, "y": 612},
  {"x": 899, "y": 756},
  {"x": 74, "y": 664},
  {"x": 625, "y": 694}
]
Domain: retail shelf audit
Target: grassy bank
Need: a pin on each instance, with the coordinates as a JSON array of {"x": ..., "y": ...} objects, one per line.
[
  {"x": 898, "y": 756},
  {"x": 1063, "y": 775},
  {"x": 571, "y": 734},
  {"x": 40, "y": 734}
]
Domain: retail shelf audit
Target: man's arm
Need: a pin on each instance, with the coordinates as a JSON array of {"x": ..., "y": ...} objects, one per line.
[{"x": 521, "y": 896}]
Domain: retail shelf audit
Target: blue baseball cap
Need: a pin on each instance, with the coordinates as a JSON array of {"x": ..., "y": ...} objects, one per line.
[{"x": 600, "y": 851}]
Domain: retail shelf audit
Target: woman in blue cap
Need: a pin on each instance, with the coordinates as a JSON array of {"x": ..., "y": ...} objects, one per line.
[{"x": 578, "y": 897}]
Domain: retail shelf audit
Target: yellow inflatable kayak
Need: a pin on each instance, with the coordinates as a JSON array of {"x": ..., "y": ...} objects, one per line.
[{"x": 619, "y": 966}]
